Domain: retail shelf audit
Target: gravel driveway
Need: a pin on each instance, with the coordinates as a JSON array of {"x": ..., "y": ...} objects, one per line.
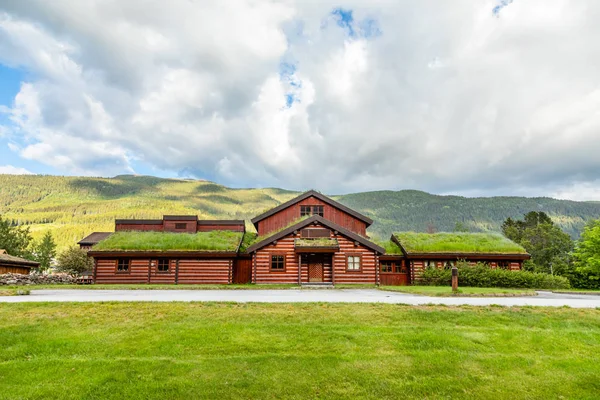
[{"x": 301, "y": 296}]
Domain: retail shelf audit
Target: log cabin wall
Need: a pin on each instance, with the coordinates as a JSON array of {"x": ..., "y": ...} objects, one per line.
[
  {"x": 204, "y": 227},
  {"x": 292, "y": 213},
  {"x": 337, "y": 273},
  {"x": 180, "y": 226},
  {"x": 181, "y": 271},
  {"x": 14, "y": 269},
  {"x": 158, "y": 227}
]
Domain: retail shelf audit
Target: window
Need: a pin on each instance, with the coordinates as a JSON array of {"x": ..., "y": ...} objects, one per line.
[
  {"x": 180, "y": 225},
  {"x": 163, "y": 265},
  {"x": 448, "y": 264},
  {"x": 430, "y": 264},
  {"x": 386, "y": 266},
  {"x": 277, "y": 262},
  {"x": 503, "y": 264},
  {"x": 123, "y": 265},
  {"x": 304, "y": 211},
  {"x": 311, "y": 210},
  {"x": 399, "y": 268},
  {"x": 353, "y": 263}
]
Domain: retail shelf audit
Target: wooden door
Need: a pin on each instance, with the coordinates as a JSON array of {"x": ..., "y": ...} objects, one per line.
[
  {"x": 315, "y": 270},
  {"x": 242, "y": 270}
]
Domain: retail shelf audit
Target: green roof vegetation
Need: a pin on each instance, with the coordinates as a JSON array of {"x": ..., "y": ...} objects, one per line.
[
  {"x": 317, "y": 242},
  {"x": 389, "y": 246},
  {"x": 248, "y": 240},
  {"x": 166, "y": 241},
  {"x": 444, "y": 242}
]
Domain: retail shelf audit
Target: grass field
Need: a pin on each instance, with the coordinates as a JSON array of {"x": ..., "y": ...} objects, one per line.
[
  {"x": 208, "y": 350},
  {"x": 462, "y": 291}
]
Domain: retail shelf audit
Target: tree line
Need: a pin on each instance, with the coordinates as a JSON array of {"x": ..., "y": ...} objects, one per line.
[
  {"x": 17, "y": 241},
  {"x": 554, "y": 252}
]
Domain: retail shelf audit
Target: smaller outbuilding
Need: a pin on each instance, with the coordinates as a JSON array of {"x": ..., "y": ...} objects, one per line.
[
  {"x": 444, "y": 249},
  {"x": 15, "y": 265}
]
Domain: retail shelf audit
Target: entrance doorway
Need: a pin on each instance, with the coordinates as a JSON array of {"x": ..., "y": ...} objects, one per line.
[{"x": 318, "y": 267}]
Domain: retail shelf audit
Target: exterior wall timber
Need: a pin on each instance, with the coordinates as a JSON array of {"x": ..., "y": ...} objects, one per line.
[
  {"x": 139, "y": 227},
  {"x": 335, "y": 273},
  {"x": 292, "y": 213},
  {"x": 183, "y": 271},
  {"x": 217, "y": 227},
  {"x": 169, "y": 226},
  {"x": 9, "y": 269},
  {"x": 263, "y": 273}
]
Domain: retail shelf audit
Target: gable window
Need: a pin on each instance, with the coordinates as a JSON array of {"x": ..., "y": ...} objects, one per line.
[
  {"x": 311, "y": 210},
  {"x": 163, "y": 265},
  {"x": 386, "y": 266},
  {"x": 449, "y": 265},
  {"x": 353, "y": 263},
  {"x": 123, "y": 265},
  {"x": 180, "y": 225},
  {"x": 430, "y": 264},
  {"x": 277, "y": 262}
]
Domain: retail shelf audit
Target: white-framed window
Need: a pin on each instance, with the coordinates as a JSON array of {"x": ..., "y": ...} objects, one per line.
[
  {"x": 429, "y": 264},
  {"x": 353, "y": 263}
]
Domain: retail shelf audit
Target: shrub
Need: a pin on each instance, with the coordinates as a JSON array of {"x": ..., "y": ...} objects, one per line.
[{"x": 482, "y": 275}]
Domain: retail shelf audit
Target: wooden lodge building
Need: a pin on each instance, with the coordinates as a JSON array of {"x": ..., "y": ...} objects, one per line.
[
  {"x": 310, "y": 239},
  {"x": 15, "y": 265}
]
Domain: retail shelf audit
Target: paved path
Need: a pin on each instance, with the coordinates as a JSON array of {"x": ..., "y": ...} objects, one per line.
[{"x": 300, "y": 296}]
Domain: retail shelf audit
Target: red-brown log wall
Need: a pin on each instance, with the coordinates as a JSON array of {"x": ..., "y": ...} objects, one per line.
[
  {"x": 263, "y": 273},
  {"x": 292, "y": 213},
  {"x": 189, "y": 271},
  {"x": 169, "y": 226},
  {"x": 138, "y": 227},
  {"x": 14, "y": 270},
  {"x": 217, "y": 227}
]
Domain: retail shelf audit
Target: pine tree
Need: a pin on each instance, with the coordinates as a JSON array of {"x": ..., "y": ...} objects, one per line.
[{"x": 46, "y": 251}]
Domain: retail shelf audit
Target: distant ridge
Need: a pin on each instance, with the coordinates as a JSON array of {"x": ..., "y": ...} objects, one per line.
[{"x": 73, "y": 207}]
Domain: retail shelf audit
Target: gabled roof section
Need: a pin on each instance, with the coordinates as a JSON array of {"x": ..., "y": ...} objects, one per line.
[
  {"x": 7, "y": 259},
  {"x": 306, "y": 195},
  {"x": 316, "y": 218}
]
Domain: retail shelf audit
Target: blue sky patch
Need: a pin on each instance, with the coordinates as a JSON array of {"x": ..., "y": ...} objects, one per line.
[
  {"x": 503, "y": 3},
  {"x": 366, "y": 28},
  {"x": 10, "y": 84}
]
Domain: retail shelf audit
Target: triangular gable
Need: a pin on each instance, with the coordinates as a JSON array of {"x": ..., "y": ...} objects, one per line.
[
  {"x": 316, "y": 218},
  {"x": 311, "y": 193}
]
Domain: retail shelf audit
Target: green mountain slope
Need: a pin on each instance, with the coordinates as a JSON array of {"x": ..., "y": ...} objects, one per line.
[{"x": 72, "y": 207}]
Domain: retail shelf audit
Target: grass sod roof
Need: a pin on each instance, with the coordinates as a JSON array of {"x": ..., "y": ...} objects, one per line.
[
  {"x": 390, "y": 247},
  {"x": 214, "y": 241},
  {"x": 457, "y": 243}
]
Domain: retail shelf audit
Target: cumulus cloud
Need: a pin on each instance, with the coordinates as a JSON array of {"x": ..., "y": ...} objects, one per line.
[
  {"x": 11, "y": 170},
  {"x": 469, "y": 96}
]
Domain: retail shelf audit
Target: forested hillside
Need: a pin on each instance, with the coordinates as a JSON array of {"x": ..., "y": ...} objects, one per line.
[{"x": 72, "y": 207}]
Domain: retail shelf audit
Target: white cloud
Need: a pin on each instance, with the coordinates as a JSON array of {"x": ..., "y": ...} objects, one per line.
[
  {"x": 10, "y": 170},
  {"x": 441, "y": 96}
]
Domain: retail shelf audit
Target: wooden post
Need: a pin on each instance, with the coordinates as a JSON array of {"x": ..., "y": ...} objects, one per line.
[
  {"x": 176, "y": 272},
  {"x": 454, "y": 279}
]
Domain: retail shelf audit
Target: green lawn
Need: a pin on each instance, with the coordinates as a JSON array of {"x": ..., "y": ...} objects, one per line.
[
  {"x": 463, "y": 291},
  {"x": 209, "y": 350}
]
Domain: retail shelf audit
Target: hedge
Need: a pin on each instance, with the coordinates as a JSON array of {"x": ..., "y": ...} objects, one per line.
[{"x": 482, "y": 275}]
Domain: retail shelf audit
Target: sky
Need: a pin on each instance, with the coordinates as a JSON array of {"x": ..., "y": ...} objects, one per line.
[{"x": 467, "y": 97}]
